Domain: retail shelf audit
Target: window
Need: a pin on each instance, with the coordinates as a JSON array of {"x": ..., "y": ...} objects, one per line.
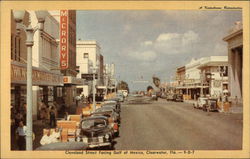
[
  {"x": 86, "y": 55},
  {"x": 223, "y": 71}
]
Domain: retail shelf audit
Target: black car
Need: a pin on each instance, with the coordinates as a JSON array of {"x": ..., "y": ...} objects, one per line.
[
  {"x": 113, "y": 118},
  {"x": 96, "y": 132}
]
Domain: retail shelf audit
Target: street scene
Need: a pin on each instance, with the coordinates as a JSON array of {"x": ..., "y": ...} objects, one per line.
[
  {"x": 167, "y": 125},
  {"x": 126, "y": 80}
]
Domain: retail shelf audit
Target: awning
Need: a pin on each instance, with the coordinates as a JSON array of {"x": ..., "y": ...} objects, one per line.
[
  {"x": 40, "y": 77},
  {"x": 101, "y": 87}
]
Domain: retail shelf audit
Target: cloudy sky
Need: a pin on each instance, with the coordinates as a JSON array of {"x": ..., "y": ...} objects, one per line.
[{"x": 147, "y": 43}]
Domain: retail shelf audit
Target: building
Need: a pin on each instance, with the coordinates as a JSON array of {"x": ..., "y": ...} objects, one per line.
[
  {"x": 235, "y": 61},
  {"x": 89, "y": 56},
  {"x": 192, "y": 82},
  {"x": 207, "y": 76},
  {"x": 214, "y": 75},
  {"x": 110, "y": 80},
  {"x": 180, "y": 78},
  {"x": 45, "y": 59},
  {"x": 67, "y": 42}
]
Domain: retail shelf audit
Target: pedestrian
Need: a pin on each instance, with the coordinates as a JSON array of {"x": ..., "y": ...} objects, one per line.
[
  {"x": 56, "y": 135},
  {"x": 52, "y": 118},
  {"x": 66, "y": 116},
  {"x": 21, "y": 134},
  {"x": 18, "y": 118},
  {"x": 46, "y": 139}
]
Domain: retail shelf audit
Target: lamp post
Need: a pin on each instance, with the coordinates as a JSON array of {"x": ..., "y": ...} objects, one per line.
[
  {"x": 94, "y": 69},
  {"x": 30, "y": 31}
]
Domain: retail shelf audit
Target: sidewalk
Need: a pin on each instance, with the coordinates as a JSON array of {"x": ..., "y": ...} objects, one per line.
[{"x": 38, "y": 127}]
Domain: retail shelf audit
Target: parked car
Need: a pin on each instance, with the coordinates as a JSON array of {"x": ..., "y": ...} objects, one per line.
[
  {"x": 96, "y": 132},
  {"x": 116, "y": 104},
  {"x": 112, "y": 118},
  {"x": 163, "y": 96},
  {"x": 111, "y": 110},
  {"x": 200, "y": 102},
  {"x": 170, "y": 97},
  {"x": 178, "y": 97},
  {"x": 154, "y": 96},
  {"x": 211, "y": 105},
  {"x": 120, "y": 97}
]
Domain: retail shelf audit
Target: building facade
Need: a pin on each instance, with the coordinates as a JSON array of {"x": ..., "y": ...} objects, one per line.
[
  {"x": 67, "y": 42},
  {"x": 234, "y": 40},
  {"x": 89, "y": 56},
  {"x": 45, "y": 59},
  {"x": 207, "y": 76}
]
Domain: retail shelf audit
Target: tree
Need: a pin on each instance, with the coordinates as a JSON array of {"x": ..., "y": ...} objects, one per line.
[
  {"x": 122, "y": 85},
  {"x": 156, "y": 81}
]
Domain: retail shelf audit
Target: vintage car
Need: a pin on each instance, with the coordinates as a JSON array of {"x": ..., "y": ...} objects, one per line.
[
  {"x": 112, "y": 118},
  {"x": 120, "y": 97},
  {"x": 178, "y": 97},
  {"x": 96, "y": 132},
  {"x": 200, "y": 102},
  {"x": 211, "y": 105},
  {"x": 114, "y": 104},
  {"x": 111, "y": 110},
  {"x": 154, "y": 96},
  {"x": 170, "y": 97}
]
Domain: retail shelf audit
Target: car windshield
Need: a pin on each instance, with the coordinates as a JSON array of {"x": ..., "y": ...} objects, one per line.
[{"x": 93, "y": 123}]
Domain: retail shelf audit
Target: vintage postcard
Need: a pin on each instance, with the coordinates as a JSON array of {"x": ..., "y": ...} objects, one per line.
[{"x": 125, "y": 79}]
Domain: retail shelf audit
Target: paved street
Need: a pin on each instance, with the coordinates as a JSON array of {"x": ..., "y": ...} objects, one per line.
[{"x": 171, "y": 125}]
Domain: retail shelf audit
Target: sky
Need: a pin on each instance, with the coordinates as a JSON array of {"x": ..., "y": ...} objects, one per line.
[{"x": 146, "y": 43}]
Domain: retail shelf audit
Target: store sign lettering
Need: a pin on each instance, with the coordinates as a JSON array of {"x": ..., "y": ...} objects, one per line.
[
  {"x": 64, "y": 39},
  {"x": 18, "y": 75}
]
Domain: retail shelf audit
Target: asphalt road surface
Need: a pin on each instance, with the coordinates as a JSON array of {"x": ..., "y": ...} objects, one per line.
[{"x": 164, "y": 125}]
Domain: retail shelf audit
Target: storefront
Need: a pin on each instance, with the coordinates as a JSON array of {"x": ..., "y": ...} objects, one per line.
[
  {"x": 45, "y": 85},
  {"x": 70, "y": 92}
]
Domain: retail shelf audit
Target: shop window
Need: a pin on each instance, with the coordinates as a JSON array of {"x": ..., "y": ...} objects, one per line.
[{"x": 59, "y": 91}]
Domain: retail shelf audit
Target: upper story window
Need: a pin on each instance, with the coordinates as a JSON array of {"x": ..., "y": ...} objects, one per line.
[
  {"x": 86, "y": 55},
  {"x": 223, "y": 71}
]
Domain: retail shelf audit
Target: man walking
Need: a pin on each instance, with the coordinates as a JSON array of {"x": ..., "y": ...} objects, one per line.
[{"x": 21, "y": 132}]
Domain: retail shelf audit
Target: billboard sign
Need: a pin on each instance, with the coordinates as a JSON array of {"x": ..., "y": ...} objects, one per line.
[{"x": 64, "y": 54}]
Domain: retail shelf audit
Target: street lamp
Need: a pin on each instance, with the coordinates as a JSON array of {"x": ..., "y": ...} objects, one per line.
[
  {"x": 94, "y": 70},
  {"x": 30, "y": 31}
]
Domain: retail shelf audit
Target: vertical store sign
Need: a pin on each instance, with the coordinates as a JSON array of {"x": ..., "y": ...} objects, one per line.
[{"x": 64, "y": 39}]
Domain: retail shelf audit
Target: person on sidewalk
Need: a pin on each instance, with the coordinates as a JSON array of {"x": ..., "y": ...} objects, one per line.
[
  {"x": 21, "y": 134},
  {"x": 46, "y": 139},
  {"x": 52, "y": 118}
]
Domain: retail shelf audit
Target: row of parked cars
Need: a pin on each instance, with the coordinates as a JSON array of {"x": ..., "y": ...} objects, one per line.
[
  {"x": 94, "y": 130},
  {"x": 174, "y": 97},
  {"x": 206, "y": 104},
  {"x": 102, "y": 126}
]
